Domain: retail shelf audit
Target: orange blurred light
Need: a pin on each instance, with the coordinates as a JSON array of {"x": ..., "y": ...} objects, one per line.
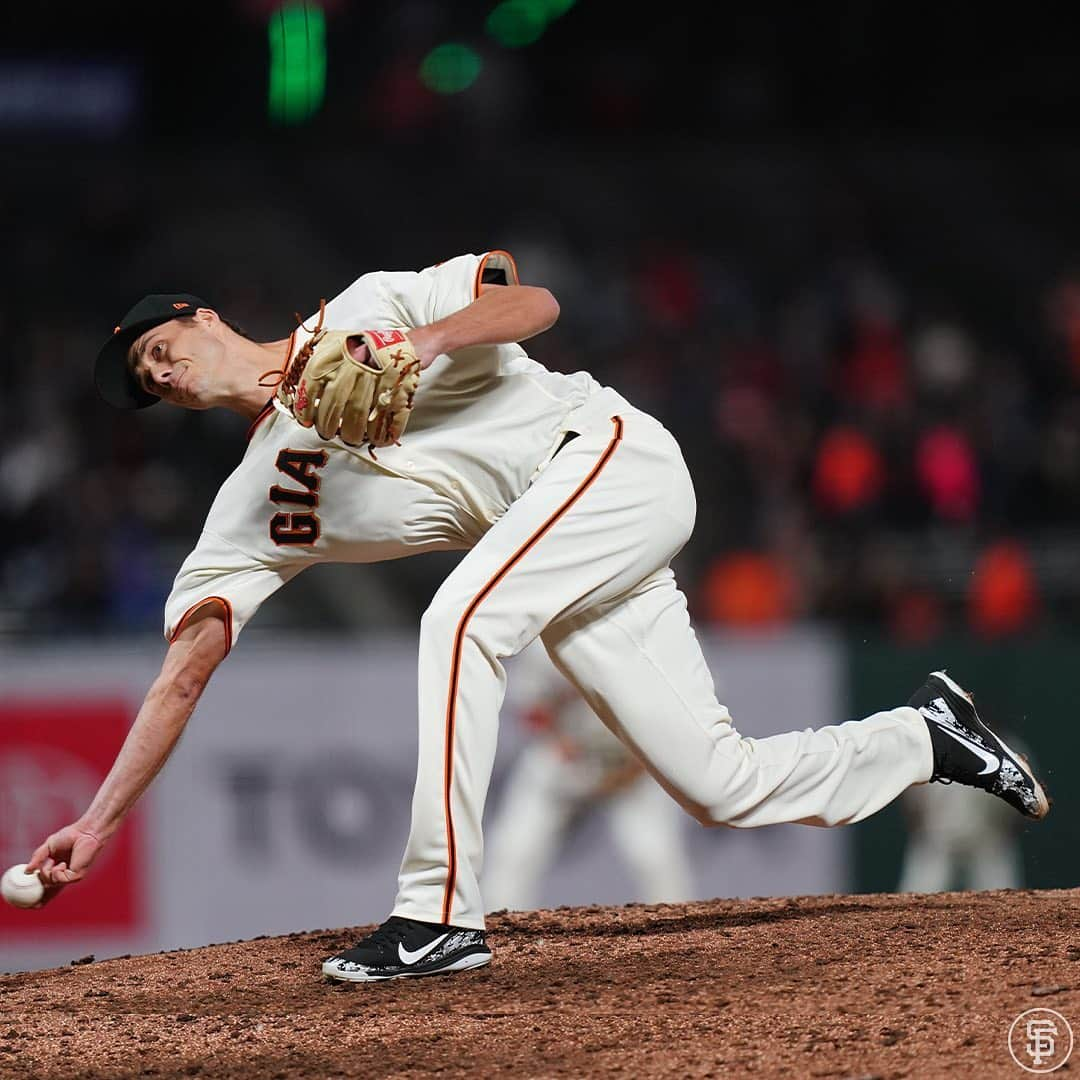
[
  {"x": 1003, "y": 595},
  {"x": 748, "y": 589},
  {"x": 848, "y": 471}
]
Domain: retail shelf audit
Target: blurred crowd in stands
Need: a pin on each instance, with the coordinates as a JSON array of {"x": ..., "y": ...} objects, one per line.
[{"x": 867, "y": 449}]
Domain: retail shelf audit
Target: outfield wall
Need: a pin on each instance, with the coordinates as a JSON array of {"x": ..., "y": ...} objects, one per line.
[{"x": 285, "y": 806}]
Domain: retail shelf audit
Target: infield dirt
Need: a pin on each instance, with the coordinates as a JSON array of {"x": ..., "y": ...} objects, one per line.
[{"x": 824, "y": 986}]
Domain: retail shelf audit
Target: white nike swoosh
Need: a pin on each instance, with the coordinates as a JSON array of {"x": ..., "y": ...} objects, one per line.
[
  {"x": 413, "y": 957},
  {"x": 992, "y": 760}
]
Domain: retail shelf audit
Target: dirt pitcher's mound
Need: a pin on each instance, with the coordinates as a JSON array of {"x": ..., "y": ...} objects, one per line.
[{"x": 843, "y": 986}]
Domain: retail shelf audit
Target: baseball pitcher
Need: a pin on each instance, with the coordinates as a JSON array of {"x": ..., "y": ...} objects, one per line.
[{"x": 406, "y": 417}]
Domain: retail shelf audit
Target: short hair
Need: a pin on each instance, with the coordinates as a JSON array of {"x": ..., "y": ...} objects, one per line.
[{"x": 236, "y": 328}]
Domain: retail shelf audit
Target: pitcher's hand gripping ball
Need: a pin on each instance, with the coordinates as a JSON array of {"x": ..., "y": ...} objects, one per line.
[
  {"x": 21, "y": 889},
  {"x": 354, "y": 384}
]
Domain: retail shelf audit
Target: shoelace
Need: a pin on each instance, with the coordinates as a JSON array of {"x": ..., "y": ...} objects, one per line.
[
  {"x": 388, "y": 934},
  {"x": 288, "y": 375}
]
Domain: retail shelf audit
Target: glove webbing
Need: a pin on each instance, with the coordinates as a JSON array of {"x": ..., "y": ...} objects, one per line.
[{"x": 290, "y": 373}]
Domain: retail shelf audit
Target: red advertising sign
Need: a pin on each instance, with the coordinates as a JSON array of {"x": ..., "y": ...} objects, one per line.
[{"x": 54, "y": 753}]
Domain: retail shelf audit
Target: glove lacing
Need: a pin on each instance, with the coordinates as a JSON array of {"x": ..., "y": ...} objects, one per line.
[
  {"x": 289, "y": 374},
  {"x": 404, "y": 370}
]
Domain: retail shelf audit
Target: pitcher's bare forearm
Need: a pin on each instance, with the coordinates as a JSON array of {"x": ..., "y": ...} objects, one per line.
[
  {"x": 499, "y": 315},
  {"x": 189, "y": 663}
]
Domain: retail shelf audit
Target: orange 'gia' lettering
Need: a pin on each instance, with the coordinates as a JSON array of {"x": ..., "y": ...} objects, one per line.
[{"x": 302, "y": 467}]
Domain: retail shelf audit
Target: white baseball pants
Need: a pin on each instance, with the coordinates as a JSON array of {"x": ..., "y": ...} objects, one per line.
[{"x": 581, "y": 559}]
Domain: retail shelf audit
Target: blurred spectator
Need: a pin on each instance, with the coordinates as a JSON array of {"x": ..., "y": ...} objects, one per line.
[
  {"x": 849, "y": 473},
  {"x": 948, "y": 473},
  {"x": 1064, "y": 315},
  {"x": 669, "y": 289},
  {"x": 943, "y": 361},
  {"x": 875, "y": 370},
  {"x": 1002, "y": 596},
  {"x": 855, "y": 416},
  {"x": 916, "y": 616}
]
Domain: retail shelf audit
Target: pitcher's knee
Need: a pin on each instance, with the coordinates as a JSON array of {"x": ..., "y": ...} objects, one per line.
[
  {"x": 440, "y": 621},
  {"x": 715, "y": 790},
  {"x": 452, "y": 612},
  {"x": 453, "y": 624},
  {"x": 719, "y": 804},
  {"x": 698, "y": 806},
  {"x": 457, "y": 619},
  {"x": 713, "y": 817}
]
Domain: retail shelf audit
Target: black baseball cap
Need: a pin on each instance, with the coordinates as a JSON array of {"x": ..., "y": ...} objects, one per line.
[{"x": 112, "y": 376}]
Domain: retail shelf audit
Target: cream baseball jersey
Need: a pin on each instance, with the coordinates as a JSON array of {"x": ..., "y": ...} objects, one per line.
[{"x": 484, "y": 421}]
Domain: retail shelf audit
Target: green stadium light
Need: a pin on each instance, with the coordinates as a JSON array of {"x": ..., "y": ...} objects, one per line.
[
  {"x": 555, "y": 8},
  {"x": 297, "y": 62},
  {"x": 515, "y": 23},
  {"x": 450, "y": 68}
]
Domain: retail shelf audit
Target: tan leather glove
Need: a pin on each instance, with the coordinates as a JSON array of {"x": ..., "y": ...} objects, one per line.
[{"x": 354, "y": 384}]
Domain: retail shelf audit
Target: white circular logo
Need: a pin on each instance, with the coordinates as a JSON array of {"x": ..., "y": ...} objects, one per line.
[{"x": 1040, "y": 1040}]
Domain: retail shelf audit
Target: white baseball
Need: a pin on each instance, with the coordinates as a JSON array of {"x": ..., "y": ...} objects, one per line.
[{"x": 21, "y": 889}]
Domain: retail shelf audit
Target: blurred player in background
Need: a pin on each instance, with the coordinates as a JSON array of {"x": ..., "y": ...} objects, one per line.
[
  {"x": 960, "y": 839},
  {"x": 572, "y": 767}
]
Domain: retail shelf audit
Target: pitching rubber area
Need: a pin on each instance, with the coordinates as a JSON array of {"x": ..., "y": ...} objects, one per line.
[{"x": 843, "y": 986}]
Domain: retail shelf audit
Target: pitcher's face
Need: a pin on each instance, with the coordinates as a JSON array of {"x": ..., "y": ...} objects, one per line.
[{"x": 182, "y": 361}]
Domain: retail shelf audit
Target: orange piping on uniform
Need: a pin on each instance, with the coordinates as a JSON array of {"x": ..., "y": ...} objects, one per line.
[
  {"x": 266, "y": 410},
  {"x": 186, "y": 618},
  {"x": 478, "y": 280},
  {"x": 455, "y": 663}
]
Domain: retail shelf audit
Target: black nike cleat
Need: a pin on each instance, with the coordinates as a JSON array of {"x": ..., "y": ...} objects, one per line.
[
  {"x": 404, "y": 947},
  {"x": 966, "y": 751}
]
